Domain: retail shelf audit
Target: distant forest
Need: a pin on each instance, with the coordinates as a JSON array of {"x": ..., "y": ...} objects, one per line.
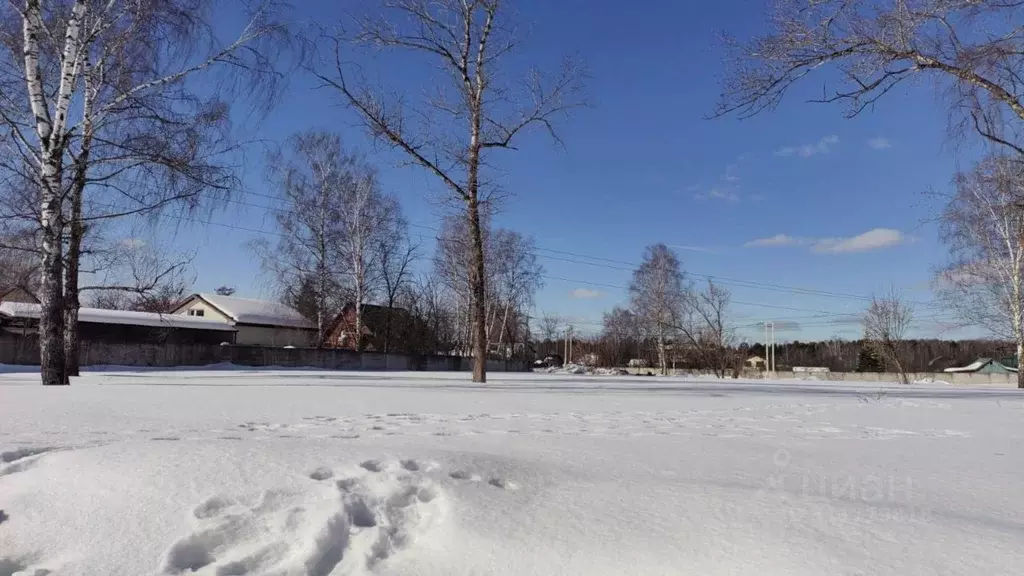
[{"x": 836, "y": 355}]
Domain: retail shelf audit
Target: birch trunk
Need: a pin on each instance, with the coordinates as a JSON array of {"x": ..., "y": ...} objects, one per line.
[{"x": 72, "y": 303}]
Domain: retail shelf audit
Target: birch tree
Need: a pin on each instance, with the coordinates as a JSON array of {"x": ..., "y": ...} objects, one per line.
[
  {"x": 983, "y": 227},
  {"x": 309, "y": 173},
  {"x": 97, "y": 96},
  {"x": 972, "y": 50},
  {"x": 517, "y": 276},
  {"x": 886, "y": 322},
  {"x": 658, "y": 296},
  {"x": 365, "y": 217},
  {"x": 474, "y": 108}
]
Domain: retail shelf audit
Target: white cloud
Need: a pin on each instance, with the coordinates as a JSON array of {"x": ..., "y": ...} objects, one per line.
[
  {"x": 777, "y": 240},
  {"x": 585, "y": 294},
  {"x": 689, "y": 248},
  {"x": 880, "y": 143},
  {"x": 823, "y": 146},
  {"x": 870, "y": 240},
  {"x": 718, "y": 194},
  {"x": 731, "y": 173},
  {"x": 132, "y": 243},
  {"x": 875, "y": 239}
]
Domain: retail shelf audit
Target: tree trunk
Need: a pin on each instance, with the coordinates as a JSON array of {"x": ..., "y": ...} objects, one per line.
[
  {"x": 71, "y": 298},
  {"x": 76, "y": 232},
  {"x": 478, "y": 287},
  {"x": 51, "y": 293},
  {"x": 662, "y": 357},
  {"x": 1020, "y": 353}
]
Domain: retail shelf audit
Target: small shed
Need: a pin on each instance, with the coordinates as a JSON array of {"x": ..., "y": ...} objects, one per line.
[
  {"x": 982, "y": 366},
  {"x": 755, "y": 362}
]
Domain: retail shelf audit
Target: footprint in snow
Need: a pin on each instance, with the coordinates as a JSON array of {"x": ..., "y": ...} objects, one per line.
[
  {"x": 21, "y": 459},
  {"x": 349, "y": 526}
]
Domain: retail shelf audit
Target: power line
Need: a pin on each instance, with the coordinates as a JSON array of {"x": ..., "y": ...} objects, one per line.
[
  {"x": 623, "y": 265},
  {"x": 743, "y": 283}
]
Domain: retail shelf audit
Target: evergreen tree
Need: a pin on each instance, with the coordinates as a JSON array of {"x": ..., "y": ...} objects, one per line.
[{"x": 869, "y": 361}]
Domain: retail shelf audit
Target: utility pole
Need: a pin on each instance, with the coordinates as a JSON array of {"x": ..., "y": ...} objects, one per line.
[
  {"x": 769, "y": 348},
  {"x": 570, "y": 344},
  {"x": 568, "y": 347}
]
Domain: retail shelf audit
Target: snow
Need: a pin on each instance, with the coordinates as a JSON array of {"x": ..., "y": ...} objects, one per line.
[
  {"x": 316, "y": 472},
  {"x": 262, "y": 312},
  {"x": 972, "y": 367},
  {"x": 102, "y": 316}
]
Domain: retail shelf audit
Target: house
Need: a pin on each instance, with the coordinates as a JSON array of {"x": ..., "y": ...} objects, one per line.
[
  {"x": 382, "y": 328},
  {"x": 257, "y": 322},
  {"x": 755, "y": 362},
  {"x": 17, "y": 294},
  {"x": 118, "y": 326},
  {"x": 982, "y": 366}
]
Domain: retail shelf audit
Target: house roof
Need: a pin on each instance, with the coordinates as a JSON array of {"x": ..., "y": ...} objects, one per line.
[
  {"x": 972, "y": 367},
  {"x": 101, "y": 316},
  {"x": 6, "y": 292},
  {"x": 977, "y": 365},
  {"x": 250, "y": 311}
]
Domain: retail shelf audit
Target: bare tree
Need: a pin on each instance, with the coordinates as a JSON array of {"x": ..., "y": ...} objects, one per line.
[
  {"x": 549, "y": 325},
  {"x": 473, "y": 110},
  {"x": 309, "y": 175},
  {"x": 97, "y": 95},
  {"x": 395, "y": 255},
  {"x": 517, "y": 275},
  {"x": 886, "y": 323},
  {"x": 19, "y": 260},
  {"x": 973, "y": 49},
  {"x": 983, "y": 226},
  {"x": 705, "y": 329},
  {"x": 365, "y": 217},
  {"x": 658, "y": 295}
]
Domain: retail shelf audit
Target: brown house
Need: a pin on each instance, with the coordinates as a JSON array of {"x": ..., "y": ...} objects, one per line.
[
  {"x": 17, "y": 294},
  {"x": 383, "y": 330}
]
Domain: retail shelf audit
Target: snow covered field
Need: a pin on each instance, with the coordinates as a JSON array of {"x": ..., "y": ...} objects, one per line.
[{"x": 300, "y": 472}]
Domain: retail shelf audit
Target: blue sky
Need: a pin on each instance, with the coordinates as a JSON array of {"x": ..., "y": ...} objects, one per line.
[{"x": 837, "y": 204}]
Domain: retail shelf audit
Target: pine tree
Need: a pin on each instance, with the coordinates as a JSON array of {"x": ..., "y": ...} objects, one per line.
[{"x": 869, "y": 361}]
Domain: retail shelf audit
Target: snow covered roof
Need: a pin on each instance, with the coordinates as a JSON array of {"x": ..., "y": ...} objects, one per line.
[
  {"x": 972, "y": 367},
  {"x": 101, "y": 316},
  {"x": 249, "y": 311}
]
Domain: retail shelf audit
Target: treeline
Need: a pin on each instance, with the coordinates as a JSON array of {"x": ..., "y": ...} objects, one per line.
[{"x": 836, "y": 355}]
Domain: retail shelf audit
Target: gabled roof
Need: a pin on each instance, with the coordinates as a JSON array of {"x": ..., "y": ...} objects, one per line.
[
  {"x": 7, "y": 293},
  {"x": 249, "y": 311},
  {"x": 102, "y": 316}
]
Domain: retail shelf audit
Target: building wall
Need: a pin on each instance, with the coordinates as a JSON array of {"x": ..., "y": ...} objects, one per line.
[
  {"x": 25, "y": 351},
  {"x": 271, "y": 336},
  {"x": 208, "y": 311}
]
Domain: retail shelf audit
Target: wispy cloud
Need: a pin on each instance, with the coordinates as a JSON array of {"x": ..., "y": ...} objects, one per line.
[
  {"x": 871, "y": 240},
  {"x": 874, "y": 239},
  {"x": 131, "y": 243},
  {"x": 880, "y": 143},
  {"x": 823, "y": 146},
  {"x": 718, "y": 194},
  {"x": 777, "y": 240},
  {"x": 585, "y": 294},
  {"x": 688, "y": 248},
  {"x": 731, "y": 173}
]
